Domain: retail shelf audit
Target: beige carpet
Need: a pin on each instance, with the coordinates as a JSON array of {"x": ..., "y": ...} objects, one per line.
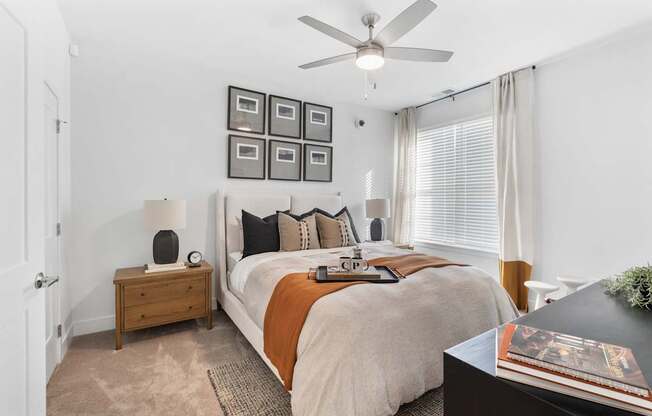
[{"x": 159, "y": 371}]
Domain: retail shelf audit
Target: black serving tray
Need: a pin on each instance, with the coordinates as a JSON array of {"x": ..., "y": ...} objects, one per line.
[{"x": 382, "y": 274}]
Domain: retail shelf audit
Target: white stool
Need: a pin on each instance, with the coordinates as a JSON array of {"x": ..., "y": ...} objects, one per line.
[
  {"x": 571, "y": 283},
  {"x": 541, "y": 289}
]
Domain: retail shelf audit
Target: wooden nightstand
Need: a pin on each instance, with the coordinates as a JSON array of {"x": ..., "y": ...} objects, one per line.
[{"x": 145, "y": 300}]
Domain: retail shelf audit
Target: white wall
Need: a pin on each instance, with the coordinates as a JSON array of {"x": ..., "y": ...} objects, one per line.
[
  {"x": 146, "y": 127},
  {"x": 471, "y": 104},
  {"x": 594, "y": 143}
]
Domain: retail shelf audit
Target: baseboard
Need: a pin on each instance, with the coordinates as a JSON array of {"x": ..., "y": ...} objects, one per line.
[
  {"x": 89, "y": 326},
  {"x": 66, "y": 340}
]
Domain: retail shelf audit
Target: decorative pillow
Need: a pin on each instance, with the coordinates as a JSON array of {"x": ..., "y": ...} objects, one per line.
[
  {"x": 343, "y": 214},
  {"x": 259, "y": 235},
  {"x": 333, "y": 232},
  {"x": 297, "y": 232}
]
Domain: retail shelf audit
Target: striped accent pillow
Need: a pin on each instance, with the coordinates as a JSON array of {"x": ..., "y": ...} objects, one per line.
[
  {"x": 333, "y": 232},
  {"x": 297, "y": 234}
]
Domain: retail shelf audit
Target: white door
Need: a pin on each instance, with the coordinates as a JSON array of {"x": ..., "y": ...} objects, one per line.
[
  {"x": 51, "y": 231},
  {"x": 22, "y": 306}
]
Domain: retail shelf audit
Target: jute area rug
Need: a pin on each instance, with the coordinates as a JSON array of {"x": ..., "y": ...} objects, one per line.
[{"x": 248, "y": 388}]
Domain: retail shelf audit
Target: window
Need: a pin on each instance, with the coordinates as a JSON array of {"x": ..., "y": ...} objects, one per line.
[{"x": 455, "y": 187}]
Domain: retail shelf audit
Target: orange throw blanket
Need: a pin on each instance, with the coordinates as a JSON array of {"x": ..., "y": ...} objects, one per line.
[
  {"x": 295, "y": 294},
  {"x": 411, "y": 263}
]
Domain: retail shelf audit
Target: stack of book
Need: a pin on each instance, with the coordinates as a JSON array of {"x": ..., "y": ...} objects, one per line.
[
  {"x": 157, "y": 268},
  {"x": 590, "y": 370}
]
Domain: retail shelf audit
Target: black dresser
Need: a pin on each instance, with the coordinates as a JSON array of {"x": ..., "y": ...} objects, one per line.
[{"x": 471, "y": 387}]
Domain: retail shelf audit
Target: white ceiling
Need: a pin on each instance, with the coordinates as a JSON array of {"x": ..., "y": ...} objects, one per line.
[{"x": 262, "y": 40}]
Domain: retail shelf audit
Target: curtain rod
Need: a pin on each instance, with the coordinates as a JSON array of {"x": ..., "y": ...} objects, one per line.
[{"x": 466, "y": 90}]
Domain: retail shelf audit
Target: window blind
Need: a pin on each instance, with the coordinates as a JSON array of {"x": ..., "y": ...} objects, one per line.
[{"x": 455, "y": 186}]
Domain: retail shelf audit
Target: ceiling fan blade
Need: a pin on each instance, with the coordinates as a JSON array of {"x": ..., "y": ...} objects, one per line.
[
  {"x": 418, "y": 54},
  {"x": 405, "y": 22},
  {"x": 328, "y": 61},
  {"x": 331, "y": 31}
]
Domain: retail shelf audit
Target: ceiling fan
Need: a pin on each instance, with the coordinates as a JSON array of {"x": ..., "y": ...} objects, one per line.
[{"x": 371, "y": 54}]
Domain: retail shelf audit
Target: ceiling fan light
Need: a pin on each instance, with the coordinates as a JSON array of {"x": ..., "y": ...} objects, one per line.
[{"x": 370, "y": 58}]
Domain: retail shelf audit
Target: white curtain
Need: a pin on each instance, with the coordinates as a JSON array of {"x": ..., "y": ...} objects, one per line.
[
  {"x": 514, "y": 134},
  {"x": 405, "y": 149}
]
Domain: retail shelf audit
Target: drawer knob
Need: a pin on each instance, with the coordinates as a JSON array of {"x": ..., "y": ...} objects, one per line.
[
  {"x": 189, "y": 287},
  {"x": 142, "y": 316},
  {"x": 189, "y": 307},
  {"x": 142, "y": 293}
]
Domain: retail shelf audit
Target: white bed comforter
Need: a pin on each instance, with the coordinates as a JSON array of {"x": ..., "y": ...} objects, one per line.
[{"x": 367, "y": 349}]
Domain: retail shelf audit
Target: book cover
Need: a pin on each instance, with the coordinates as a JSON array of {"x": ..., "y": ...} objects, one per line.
[{"x": 606, "y": 364}]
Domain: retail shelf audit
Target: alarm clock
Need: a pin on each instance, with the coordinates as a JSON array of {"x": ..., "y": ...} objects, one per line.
[{"x": 194, "y": 258}]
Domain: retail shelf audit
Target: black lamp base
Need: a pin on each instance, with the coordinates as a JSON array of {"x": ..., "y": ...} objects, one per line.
[
  {"x": 166, "y": 247},
  {"x": 376, "y": 229}
]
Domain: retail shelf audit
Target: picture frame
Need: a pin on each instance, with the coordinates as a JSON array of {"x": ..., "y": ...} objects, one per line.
[
  {"x": 284, "y": 117},
  {"x": 246, "y": 157},
  {"x": 317, "y": 163},
  {"x": 284, "y": 160},
  {"x": 317, "y": 122},
  {"x": 246, "y": 110}
]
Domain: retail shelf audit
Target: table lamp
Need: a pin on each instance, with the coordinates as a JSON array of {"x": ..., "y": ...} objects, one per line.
[
  {"x": 377, "y": 209},
  {"x": 164, "y": 216}
]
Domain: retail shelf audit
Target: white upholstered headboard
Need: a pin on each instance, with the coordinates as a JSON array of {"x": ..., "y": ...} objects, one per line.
[{"x": 231, "y": 203}]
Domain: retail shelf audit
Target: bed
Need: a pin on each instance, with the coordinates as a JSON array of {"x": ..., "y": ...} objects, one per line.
[{"x": 367, "y": 349}]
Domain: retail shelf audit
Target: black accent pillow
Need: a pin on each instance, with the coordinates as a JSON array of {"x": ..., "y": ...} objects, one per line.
[
  {"x": 260, "y": 235},
  {"x": 299, "y": 217},
  {"x": 328, "y": 214}
]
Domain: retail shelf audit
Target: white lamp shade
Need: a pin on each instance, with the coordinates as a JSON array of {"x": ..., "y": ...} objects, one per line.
[
  {"x": 377, "y": 208},
  {"x": 165, "y": 214}
]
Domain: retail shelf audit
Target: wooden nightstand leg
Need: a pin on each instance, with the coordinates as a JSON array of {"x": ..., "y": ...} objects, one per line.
[
  {"x": 209, "y": 303},
  {"x": 118, "y": 318}
]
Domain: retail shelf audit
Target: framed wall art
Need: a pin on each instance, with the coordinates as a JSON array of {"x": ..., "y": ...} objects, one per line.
[
  {"x": 317, "y": 163},
  {"x": 284, "y": 160},
  {"x": 246, "y": 157},
  {"x": 317, "y": 122},
  {"x": 284, "y": 117},
  {"x": 246, "y": 111}
]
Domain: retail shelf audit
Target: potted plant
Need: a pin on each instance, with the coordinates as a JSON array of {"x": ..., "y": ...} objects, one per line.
[{"x": 635, "y": 285}]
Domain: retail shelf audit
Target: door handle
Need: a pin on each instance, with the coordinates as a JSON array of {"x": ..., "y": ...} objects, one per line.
[{"x": 44, "y": 281}]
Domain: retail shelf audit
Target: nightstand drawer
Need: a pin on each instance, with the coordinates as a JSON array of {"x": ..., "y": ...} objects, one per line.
[
  {"x": 163, "y": 312},
  {"x": 153, "y": 293}
]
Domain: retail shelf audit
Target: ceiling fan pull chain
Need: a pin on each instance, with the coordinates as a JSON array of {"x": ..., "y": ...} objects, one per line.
[{"x": 365, "y": 93}]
